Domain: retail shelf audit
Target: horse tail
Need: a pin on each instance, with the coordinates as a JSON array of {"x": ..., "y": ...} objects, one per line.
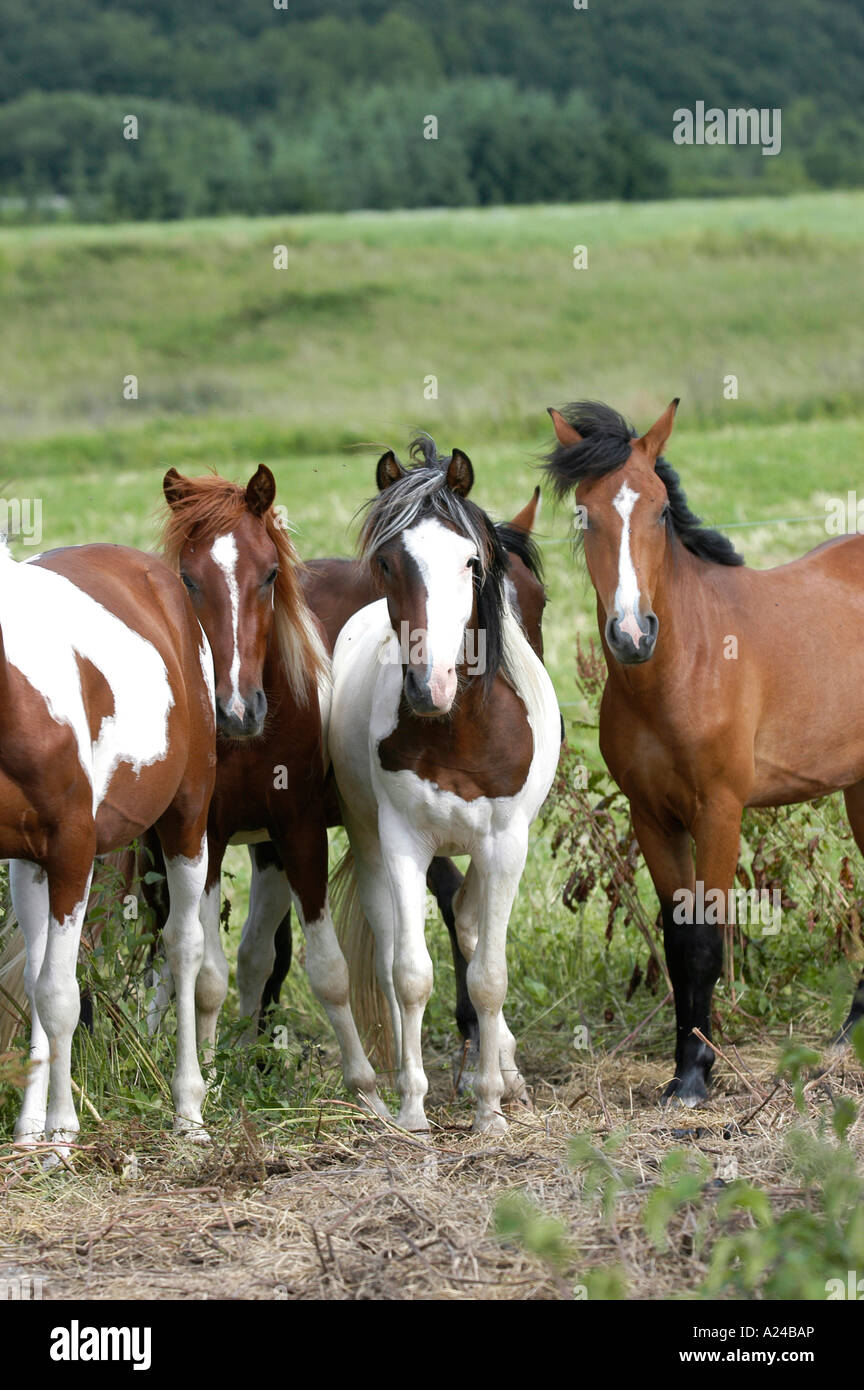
[
  {"x": 14, "y": 1004},
  {"x": 368, "y": 1005}
]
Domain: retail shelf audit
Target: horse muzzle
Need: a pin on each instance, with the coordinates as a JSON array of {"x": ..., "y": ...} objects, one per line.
[
  {"x": 242, "y": 718},
  {"x": 429, "y": 694},
  {"x": 632, "y": 640}
]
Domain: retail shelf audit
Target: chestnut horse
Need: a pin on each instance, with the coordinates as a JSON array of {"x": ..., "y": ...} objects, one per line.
[
  {"x": 711, "y": 702},
  {"x": 272, "y": 689},
  {"x": 106, "y": 729},
  {"x": 444, "y": 735},
  {"x": 335, "y": 590}
]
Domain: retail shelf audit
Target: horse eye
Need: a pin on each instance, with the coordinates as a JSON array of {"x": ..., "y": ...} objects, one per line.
[
  {"x": 271, "y": 578},
  {"x": 190, "y": 586},
  {"x": 383, "y": 565},
  {"x": 665, "y": 512}
]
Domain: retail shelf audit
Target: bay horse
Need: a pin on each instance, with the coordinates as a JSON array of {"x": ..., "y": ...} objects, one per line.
[
  {"x": 335, "y": 590},
  {"x": 106, "y": 728},
  {"x": 241, "y": 572},
  {"x": 444, "y": 736},
  {"x": 727, "y": 687}
]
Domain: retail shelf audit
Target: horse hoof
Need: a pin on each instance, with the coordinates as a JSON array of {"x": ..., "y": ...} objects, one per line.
[
  {"x": 372, "y": 1101},
  {"x": 489, "y": 1124},
  {"x": 29, "y": 1139},
  {"x": 192, "y": 1130},
  {"x": 412, "y": 1120},
  {"x": 520, "y": 1102},
  {"x": 61, "y": 1140},
  {"x": 689, "y": 1090},
  {"x": 517, "y": 1095}
]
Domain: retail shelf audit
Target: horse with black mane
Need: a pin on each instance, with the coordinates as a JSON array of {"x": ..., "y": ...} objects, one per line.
[
  {"x": 335, "y": 590},
  {"x": 727, "y": 687},
  {"x": 444, "y": 735}
]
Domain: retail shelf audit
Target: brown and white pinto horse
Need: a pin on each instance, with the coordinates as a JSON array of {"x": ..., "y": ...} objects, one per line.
[
  {"x": 444, "y": 736},
  {"x": 272, "y": 691},
  {"x": 335, "y": 590},
  {"x": 727, "y": 687},
  {"x": 106, "y": 728}
]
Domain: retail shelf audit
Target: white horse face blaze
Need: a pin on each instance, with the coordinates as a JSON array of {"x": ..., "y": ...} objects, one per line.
[
  {"x": 627, "y": 597},
  {"x": 444, "y": 560},
  {"x": 224, "y": 553}
]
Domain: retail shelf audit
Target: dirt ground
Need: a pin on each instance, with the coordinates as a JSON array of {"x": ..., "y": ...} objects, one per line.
[{"x": 362, "y": 1211}]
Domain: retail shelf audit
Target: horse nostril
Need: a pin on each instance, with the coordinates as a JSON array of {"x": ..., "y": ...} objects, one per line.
[{"x": 259, "y": 705}]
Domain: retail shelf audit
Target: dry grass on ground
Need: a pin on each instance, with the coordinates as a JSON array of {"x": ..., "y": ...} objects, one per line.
[{"x": 363, "y": 1211}]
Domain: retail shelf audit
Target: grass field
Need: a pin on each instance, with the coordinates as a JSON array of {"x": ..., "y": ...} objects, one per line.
[{"x": 312, "y": 368}]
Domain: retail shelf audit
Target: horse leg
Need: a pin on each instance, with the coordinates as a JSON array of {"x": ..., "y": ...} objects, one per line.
[
  {"x": 468, "y": 906},
  {"x": 269, "y": 905},
  {"x": 304, "y": 852},
  {"x": 29, "y": 890},
  {"x": 444, "y": 881},
  {"x": 668, "y": 855},
  {"x": 499, "y": 870},
  {"x": 406, "y": 864},
  {"x": 717, "y": 833},
  {"x": 56, "y": 997},
  {"x": 186, "y": 875},
  {"x": 152, "y": 860},
  {"x": 283, "y": 950},
  {"x": 211, "y": 985},
  {"x": 854, "y": 798}
]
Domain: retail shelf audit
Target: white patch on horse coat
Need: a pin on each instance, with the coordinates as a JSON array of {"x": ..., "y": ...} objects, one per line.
[
  {"x": 397, "y": 821},
  {"x": 443, "y": 559},
  {"x": 45, "y": 621},
  {"x": 205, "y": 656},
  {"x": 627, "y": 593},
  {"x": 224, "y": 553}
]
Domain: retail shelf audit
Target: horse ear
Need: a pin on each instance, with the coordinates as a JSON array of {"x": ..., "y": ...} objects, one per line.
[
  {"x": 260, "y": 491},
  {"x": 460, "y": 473},
  {"x": 175, "y": 487},
  {"x": 389, "y": 470},
  {"x": 655, "y": 440},
  {"x": 565, "y": 433},
  {"x": 527, "y": 518}
]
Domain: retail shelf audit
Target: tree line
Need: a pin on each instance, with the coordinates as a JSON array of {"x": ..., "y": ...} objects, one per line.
[{"x": 244, "y": 107}]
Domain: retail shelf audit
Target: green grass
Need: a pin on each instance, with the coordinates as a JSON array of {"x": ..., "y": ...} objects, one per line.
[
  {"x": 336, "y": 347},
  {"x": 240, "y": 364}
]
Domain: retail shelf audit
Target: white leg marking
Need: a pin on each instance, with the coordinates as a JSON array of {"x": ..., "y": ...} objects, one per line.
[
  {"x": 184, "y": 946},
  {"x": 212, "y": 983},
  {"x": 405, "y": 865},
  {"x": 467, "y": 907},
  {"x": 328, "y": 976},
  {"x": 500, "y": 871},
  {"x": 59, "y": 1004}
]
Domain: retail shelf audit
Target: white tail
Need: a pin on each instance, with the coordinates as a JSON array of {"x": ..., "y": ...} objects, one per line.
[{"x": 368, "y": 1005}]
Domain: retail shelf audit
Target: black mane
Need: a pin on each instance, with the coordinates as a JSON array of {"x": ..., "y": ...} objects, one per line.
[
  {"x": 605, "y": 446},
  {"x": 519, "y": 542},
  {"x": 423, "y": 492}
]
